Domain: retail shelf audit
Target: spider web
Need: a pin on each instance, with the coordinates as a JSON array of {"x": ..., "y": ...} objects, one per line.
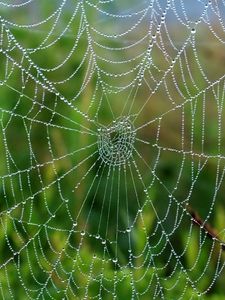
[{"x": 112, "y": 125}]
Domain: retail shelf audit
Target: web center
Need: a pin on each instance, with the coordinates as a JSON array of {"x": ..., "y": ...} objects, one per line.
[{"x": 115, "y": 142}]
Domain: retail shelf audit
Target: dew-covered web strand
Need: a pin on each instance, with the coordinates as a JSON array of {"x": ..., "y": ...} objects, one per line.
[{"x": 51, "y": 89}]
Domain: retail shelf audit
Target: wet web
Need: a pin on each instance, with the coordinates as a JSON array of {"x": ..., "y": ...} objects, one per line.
[{"x": 112, "y": 149}]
